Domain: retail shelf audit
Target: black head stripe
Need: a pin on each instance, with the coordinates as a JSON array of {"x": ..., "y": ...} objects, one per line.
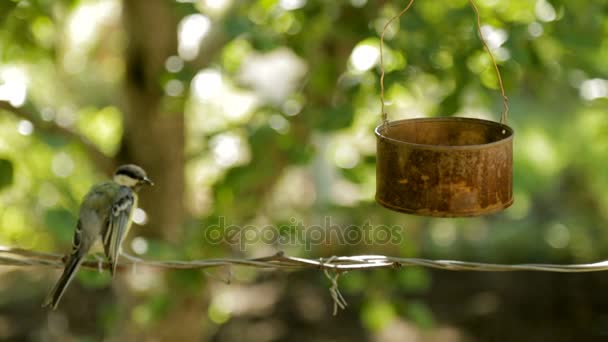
[{"x": 129, "y": 172}]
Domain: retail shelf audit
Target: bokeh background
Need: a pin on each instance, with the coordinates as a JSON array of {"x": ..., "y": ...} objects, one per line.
[{"x": 262, "y": 112}]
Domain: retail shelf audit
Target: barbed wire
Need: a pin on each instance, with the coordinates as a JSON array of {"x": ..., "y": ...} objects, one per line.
[{"x": 10, "y": 256}]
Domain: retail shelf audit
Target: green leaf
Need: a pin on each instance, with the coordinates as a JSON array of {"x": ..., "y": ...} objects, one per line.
[
  {"x": 415, "y": 279},
  {"x": 94, "y": 279},
  {"x": 335, "y": 118},
  {"x": 235, "y": 26},
  {"x": 186, "y": 280},
  {"x": 61, "y": 223},
  {"x": 377, "y": 314},
  {"x": 6, "y": 173},
  {"x": 354, "y": 282},
  {"x": 420, "y": 313}
]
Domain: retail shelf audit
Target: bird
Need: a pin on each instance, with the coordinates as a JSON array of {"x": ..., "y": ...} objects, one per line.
[{"x": 105, "y": 215}]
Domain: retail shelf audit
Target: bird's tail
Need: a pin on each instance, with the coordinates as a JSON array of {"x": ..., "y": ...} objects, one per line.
[{"x": 53, "y": 298}]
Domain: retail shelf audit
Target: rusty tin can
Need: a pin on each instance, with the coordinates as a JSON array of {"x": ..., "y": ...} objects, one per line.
[{"x": 445, "y": 167}]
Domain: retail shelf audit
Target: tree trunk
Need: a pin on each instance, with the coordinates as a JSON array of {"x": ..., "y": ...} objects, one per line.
[{"x": 153, "y": 138}]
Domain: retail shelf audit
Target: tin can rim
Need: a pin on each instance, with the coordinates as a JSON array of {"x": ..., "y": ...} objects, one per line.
[{"x": 508, "y": 133}]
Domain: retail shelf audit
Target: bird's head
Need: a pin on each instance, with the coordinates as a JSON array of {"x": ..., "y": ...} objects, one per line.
[{"x": 132, "y": 176}]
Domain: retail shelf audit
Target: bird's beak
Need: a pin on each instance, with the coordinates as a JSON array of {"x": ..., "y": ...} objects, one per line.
[{"x": 148, "y": 181}]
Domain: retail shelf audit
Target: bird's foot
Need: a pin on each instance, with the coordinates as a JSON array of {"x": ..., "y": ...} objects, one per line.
[{"x": 100, "y": 261}]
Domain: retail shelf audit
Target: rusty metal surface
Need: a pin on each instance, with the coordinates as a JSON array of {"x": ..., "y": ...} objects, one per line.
[{"x": 444, "y": 167}]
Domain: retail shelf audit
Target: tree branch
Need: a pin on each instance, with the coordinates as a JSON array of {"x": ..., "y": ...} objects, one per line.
[
  {"x": 102, "y": 161},
  {"x": 211, "y": 45},
  {"x": 215, "y": 39}
]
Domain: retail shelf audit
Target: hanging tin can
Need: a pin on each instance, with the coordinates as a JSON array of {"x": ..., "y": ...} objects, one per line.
[{"x": 444, "y": 166}]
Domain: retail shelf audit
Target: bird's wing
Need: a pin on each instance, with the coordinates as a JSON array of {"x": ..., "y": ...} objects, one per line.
[{"x": 118, "y": 225}]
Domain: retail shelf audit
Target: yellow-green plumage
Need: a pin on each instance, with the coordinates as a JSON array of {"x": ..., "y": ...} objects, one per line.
[
  {"x": 116, "y": 227},
  {"x": 105, "y": 214}
]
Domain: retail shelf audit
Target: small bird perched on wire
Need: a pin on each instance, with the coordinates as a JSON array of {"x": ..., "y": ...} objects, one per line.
[{"x": 105, "y": 213}]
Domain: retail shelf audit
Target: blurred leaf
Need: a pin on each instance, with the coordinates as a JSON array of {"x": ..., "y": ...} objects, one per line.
[
  {"x": 414, "y": 278},
  {"x": 54, "y": 141},
  {"x": 6, "y": 173},
  {"x": 159, "y": 249},
  {"x": 354, "y": 282},
  {"x": 377, "y": 313},
  {"x": 103, "y": 127},
  {"x": 420, "y": 313},
  {"x": 95, "y": 279},
  {"x": 186, "y": 280},
  {"x": 217, "y": 314},
  {"x": 335, "y": 118},
  {"x": 61, "y": 223},
  {"x": 235, "y": 26},
  {"x": 158, "y": 306}
]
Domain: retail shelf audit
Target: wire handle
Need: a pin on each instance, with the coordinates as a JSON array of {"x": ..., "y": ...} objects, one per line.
[{"x": 505, "y": 100}]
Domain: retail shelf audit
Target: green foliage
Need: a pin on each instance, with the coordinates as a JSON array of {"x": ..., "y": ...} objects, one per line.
[
  {"x": 189, "y": 281},
  {"x": 414, "y": 279},
  {"x": 377, "y": 314},
  {"x": 332, "y": 119},
  {"x": 94, "y": 279},
  {"x": 61, "y": 223},
  {"x": 6, "y": 173},
  {"x": 420, "y": 313},
  {"x": 150, "y": 312}
]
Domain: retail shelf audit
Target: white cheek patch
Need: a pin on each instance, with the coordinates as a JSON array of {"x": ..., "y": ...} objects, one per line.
[{"x": 125, "y": 180}]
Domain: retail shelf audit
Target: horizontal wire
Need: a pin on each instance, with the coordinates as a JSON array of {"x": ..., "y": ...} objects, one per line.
[{"x": 19, "y": 257}]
